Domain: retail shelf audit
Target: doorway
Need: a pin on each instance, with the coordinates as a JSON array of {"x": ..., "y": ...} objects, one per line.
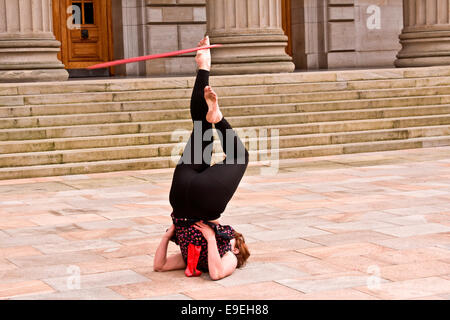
[{"x": 84, "y": 29}]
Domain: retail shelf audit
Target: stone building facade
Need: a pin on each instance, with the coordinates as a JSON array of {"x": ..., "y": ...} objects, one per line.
[{"x": 41, "y": 40}]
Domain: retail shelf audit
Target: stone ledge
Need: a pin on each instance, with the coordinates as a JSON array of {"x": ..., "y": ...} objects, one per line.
[{"x": 119, "y": 84}]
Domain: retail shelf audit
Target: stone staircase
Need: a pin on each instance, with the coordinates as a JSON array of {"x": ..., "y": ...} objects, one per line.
[{"x": 80, "y": 127}]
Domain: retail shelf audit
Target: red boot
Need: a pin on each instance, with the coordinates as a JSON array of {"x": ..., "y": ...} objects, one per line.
[{"x": 192, "y": 261}]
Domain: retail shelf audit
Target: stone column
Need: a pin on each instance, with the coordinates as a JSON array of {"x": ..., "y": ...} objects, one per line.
[
  {"x": 28, "y": 48},
  {"x": 252, "y": 35},
  {"x": 425, "y": 36}
]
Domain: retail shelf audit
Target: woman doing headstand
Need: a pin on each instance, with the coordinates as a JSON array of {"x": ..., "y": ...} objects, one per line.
[{"x": 200, "y": 192}]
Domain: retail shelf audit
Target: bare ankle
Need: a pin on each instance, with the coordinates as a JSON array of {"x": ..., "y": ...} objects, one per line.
[
  {"x": 204, "y": 67},
  {"x": 214, "y": 116}
]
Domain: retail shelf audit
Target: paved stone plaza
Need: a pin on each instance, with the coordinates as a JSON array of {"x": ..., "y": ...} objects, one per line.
[{"x": 358, "y": 226}]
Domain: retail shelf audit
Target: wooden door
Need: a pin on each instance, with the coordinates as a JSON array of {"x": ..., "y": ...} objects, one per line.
[
  {"x": 84, "y": 29},
  {"x": 286, "y": 20}
]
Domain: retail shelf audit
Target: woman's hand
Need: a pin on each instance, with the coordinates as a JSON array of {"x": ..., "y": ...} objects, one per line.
[
  {"x": 219, "y": 267},
  {"x": 206, "y": 231}
]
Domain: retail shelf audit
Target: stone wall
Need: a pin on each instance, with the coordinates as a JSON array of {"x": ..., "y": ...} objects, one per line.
[
  {"x": 330, "y": 34},
  {"x": 129, "y": 33},
  {"x": 173, "y": 25},
  {"x": 308, "y": 33},
  {"x": 326, "y": 34}
]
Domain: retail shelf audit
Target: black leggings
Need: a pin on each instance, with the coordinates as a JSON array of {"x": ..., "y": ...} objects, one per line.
[{"x": 199, "y": 190}]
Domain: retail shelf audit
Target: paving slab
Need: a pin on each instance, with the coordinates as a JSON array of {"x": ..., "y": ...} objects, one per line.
[
  {"x": 421, "y": 269},
  {"x": 23, "y": 288},
  {"x": 260, "y": 272},
  {"x": 409, "y": 289},
  {"x": 87, "y": 294},
  {"x": 262, "y": 290},
  {"x": 96, "y": 280},
  {"x": 355, "y": 226},
  {"x": 327, "y": 282}
]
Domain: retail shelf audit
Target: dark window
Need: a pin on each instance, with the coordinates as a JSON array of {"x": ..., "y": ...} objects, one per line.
[{"x": 89, "y": 13}]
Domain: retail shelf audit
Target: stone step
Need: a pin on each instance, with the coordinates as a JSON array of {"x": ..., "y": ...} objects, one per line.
[
  {"x": 31, "y": 105},
  {"x": 362, "y": 147},
  {"x": 82, "y": 142},
  {"x": 157, "y": 108},
  {"x": 245, "y": 95},
  {"x": 334, "y": 96},
  {"x": 358, "y": 136},
  {"x": 397, "y": 83},
  {"x": 255, "y": 141},
  {"x": 166, "y": 162},
  {"x": 132, "y": 124},
  {"x": 396, "y": 75},
  {"x": 83, "y": 131},
  {"x": 83, "y": 168},
  {"x": 78, "y": 108},
  {"x": 305, "y": 92},
  {"x": 169, "y": 137},
  {"x": 339, "y": 115},
  {"x": 260, "y": 113}
]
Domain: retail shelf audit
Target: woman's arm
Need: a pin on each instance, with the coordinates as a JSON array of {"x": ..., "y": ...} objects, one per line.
[
  {"x": 160, "y": 261},
  {"x": 219, "y": 267}
]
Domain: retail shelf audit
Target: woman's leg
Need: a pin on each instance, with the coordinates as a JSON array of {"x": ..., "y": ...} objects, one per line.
[
  {"x": 213, "y": 188},
  {"x": 198, "y": 150},
  {"x": 218, "y": 183}
]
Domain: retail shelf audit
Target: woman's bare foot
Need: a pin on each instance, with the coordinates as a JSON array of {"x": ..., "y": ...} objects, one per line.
[
  {"x": 214, "y": 115},
  {"x": 203, "y": 57}
]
